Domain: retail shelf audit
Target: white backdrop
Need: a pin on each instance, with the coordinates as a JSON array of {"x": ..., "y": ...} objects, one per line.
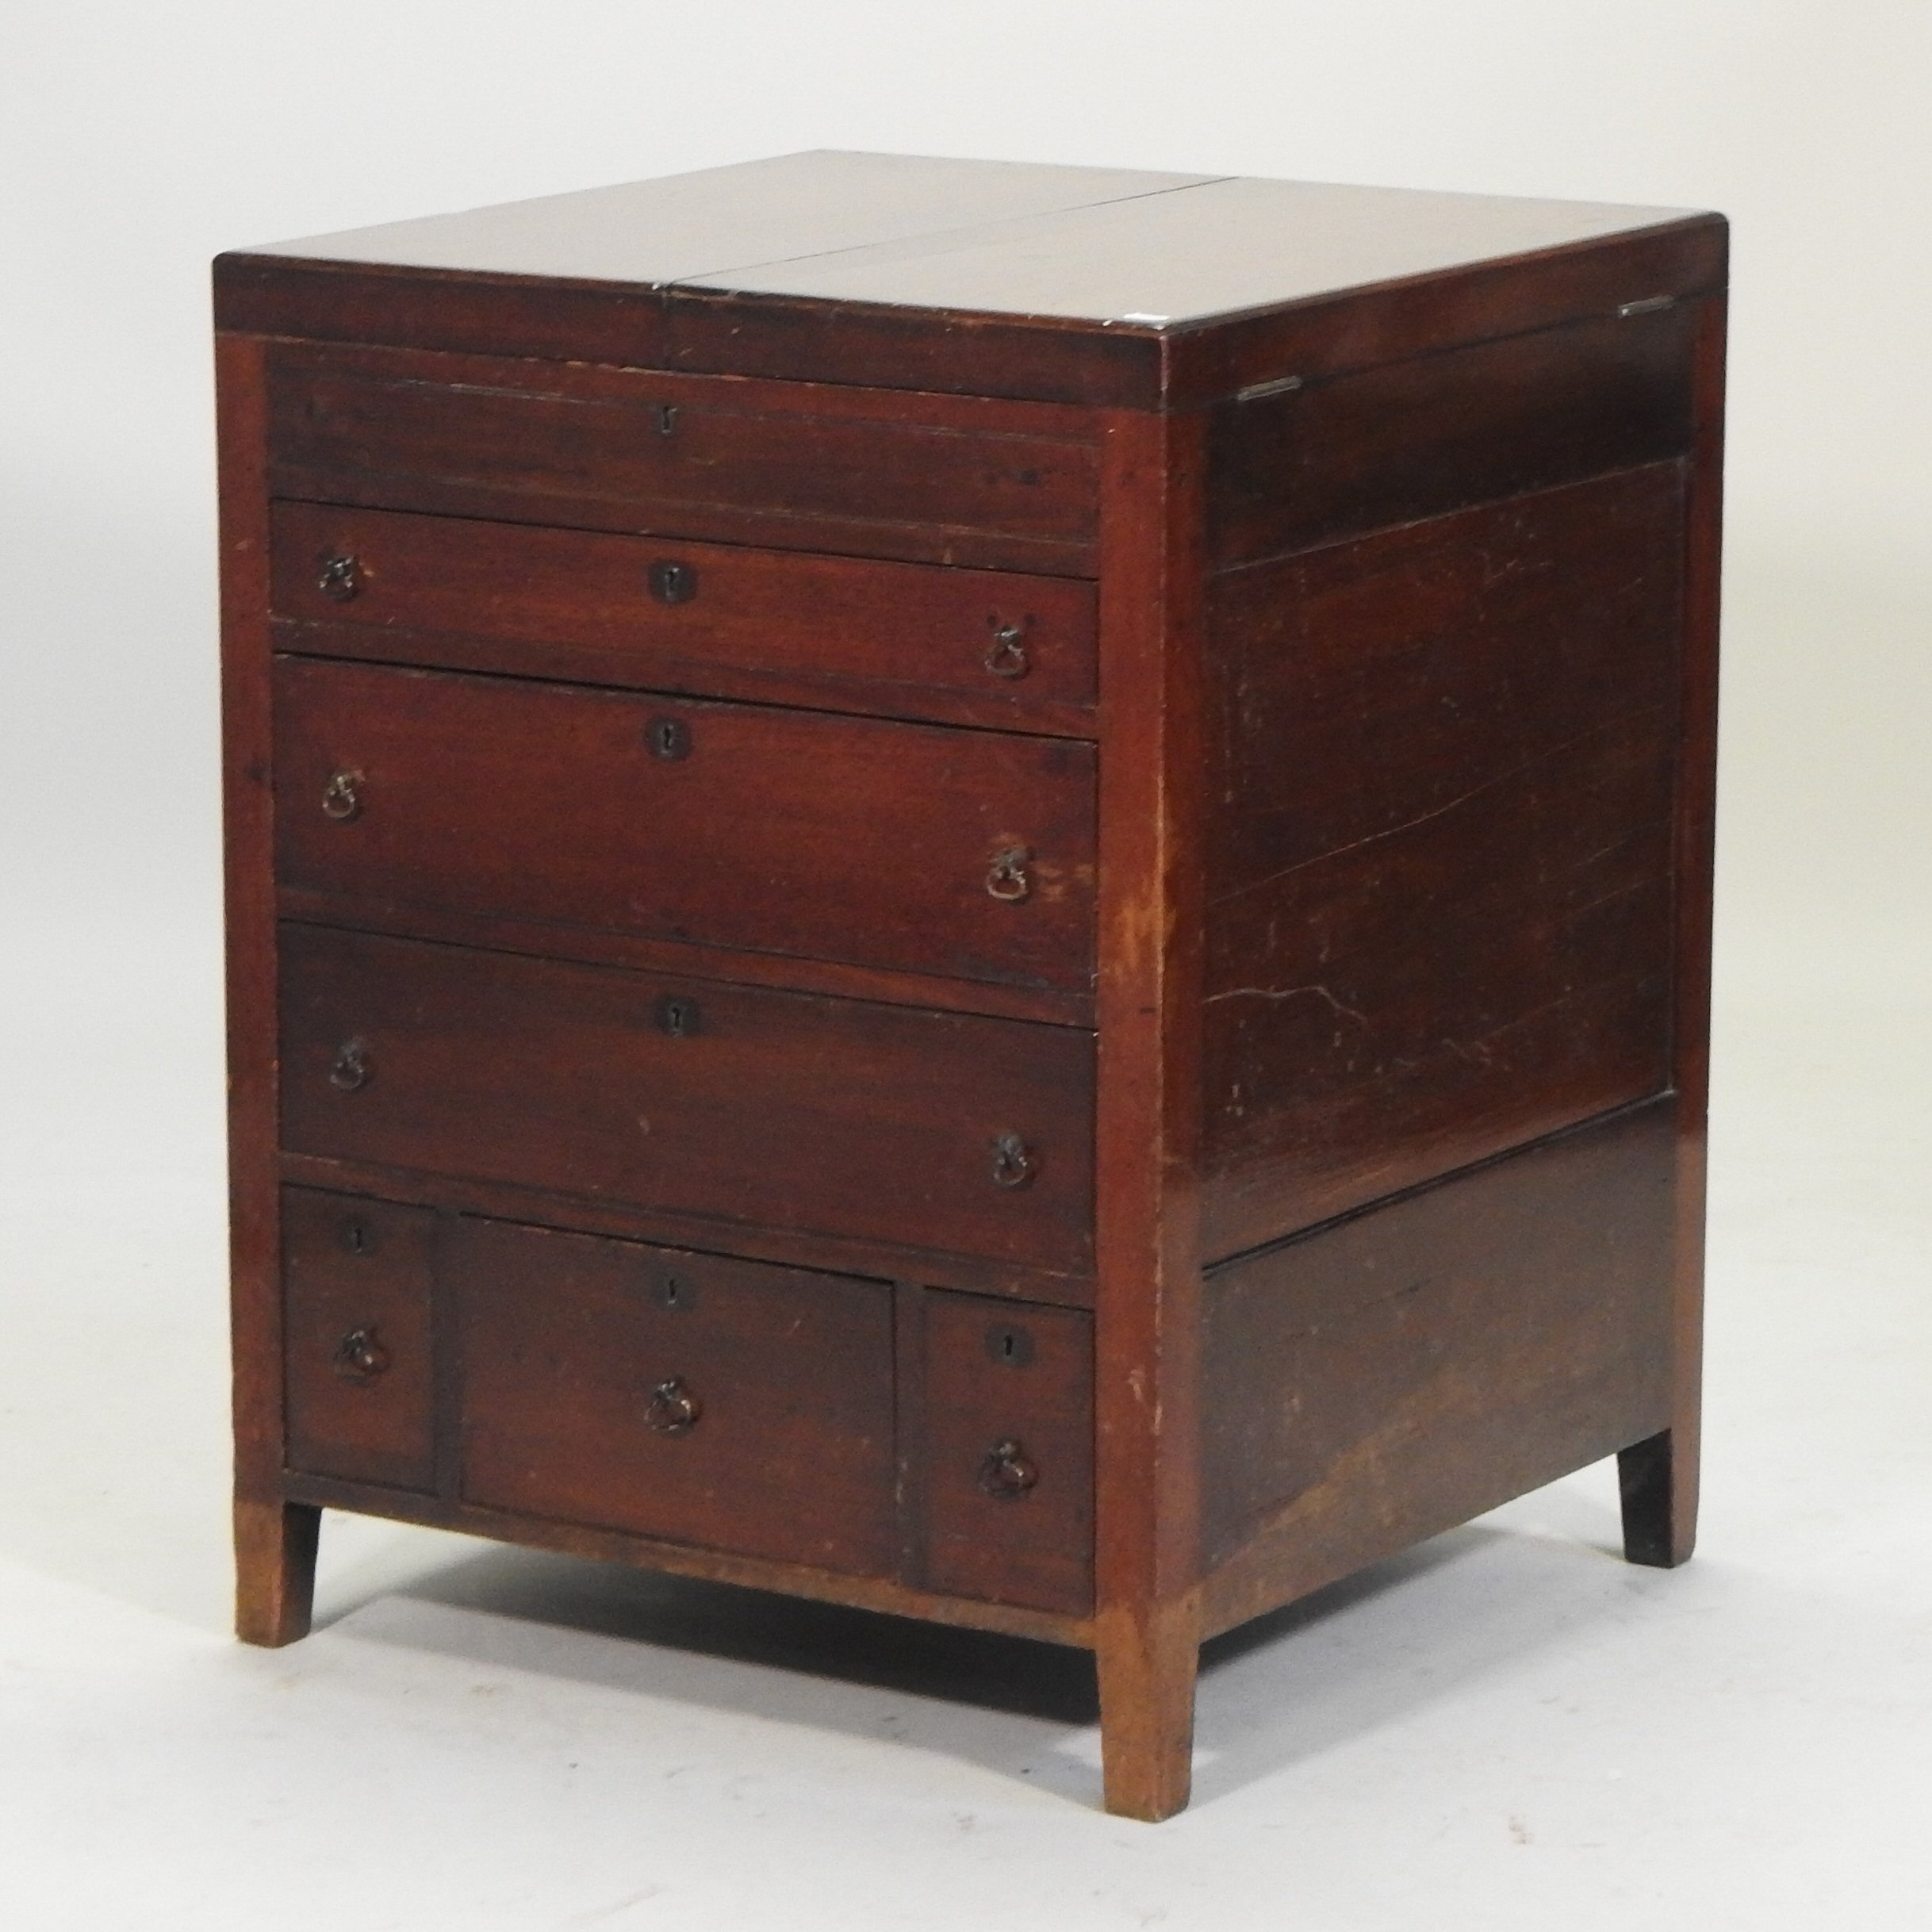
[{"x": 137, "y": 141}]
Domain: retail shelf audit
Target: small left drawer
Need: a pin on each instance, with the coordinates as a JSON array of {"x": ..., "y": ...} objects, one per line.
[{"x": 356, "y": 1287}]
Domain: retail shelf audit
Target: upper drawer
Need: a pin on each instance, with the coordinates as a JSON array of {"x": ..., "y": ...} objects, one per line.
[
  {"x": 849, "y": 634},
  {"x": 919, "y": 848},
  {"x": 868, "y": 472}
]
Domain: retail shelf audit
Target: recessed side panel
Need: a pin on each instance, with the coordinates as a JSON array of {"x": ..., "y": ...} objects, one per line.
[
  {"x": 1443, "y": 763},
  {"x": 1312, "y": 462},
  {"x": 1388, "y": 1376}
]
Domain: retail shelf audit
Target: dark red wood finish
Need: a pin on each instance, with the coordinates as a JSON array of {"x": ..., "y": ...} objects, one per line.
[
  {"x": 1660, "y": 1475},
  {"x": 997, "y": 1375},
  {"x": 1388, "y": 1376},
  {"x": 1409, "y": 440},
  {"x": 963, "y": 854},
  {"x": 689, "y": 1397},
  {"x": 359, "y": 1277},
  {"x": 275, "y": 1535},
  {"x": 1352, "y": 1029},
  {"x": 744, "y": 1104},
  {"x": 1147, "y": 1389},
  {"x": 1142, "y": 310},
  {"x": 1440, "y": 917},
  {"x": 791, "y": 465},
  {"x": 840, "y": 633}
]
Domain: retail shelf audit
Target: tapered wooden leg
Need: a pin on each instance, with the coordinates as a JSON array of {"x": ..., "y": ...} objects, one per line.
[
  {"x": 275, "y": 1570},
  {"x": 1147, "y": 1663},
  {"x": 1658, "y": 1479}
]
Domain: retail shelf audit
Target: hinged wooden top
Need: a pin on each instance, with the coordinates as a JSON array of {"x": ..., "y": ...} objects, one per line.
[{"x": 1070, "y": 284}]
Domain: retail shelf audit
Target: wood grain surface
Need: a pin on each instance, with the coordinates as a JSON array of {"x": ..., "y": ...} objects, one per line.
[
  {"x": 995, "y": 1373},
  {"x": 1440, "y": 903},
  {"x": 1392, "y": 1374},
  {"x": 786, "y": 1109},
  {"x": 781, "y": 627},
  {"x": 772, "y": 831},
  {"x": 564, "y": 1338},
  {"x": 804, "y": 467},
  {"x": 363, "y": 1268}
]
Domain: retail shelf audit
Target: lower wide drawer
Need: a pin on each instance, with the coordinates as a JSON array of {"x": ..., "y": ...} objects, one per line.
[
  {"x": 943, "y": 1132},
  {"x": 719, "y": 1402},
  {"x": 825, "y": 1420}
]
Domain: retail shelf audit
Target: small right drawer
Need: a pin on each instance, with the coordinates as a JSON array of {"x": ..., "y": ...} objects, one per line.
[{"x": 1009, "y": 1451}]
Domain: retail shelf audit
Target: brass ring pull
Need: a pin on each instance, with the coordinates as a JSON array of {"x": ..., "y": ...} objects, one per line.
[
  {"x": 1013, "y": 1163},
  {"x": 350, "y": 1069},
  {"x": 360, "y": 1356},
  {"x": 1006, "y": 656},
  {"x": 1007, "y": 878},
  {"x": 673, "y": 1409},
  {"x": 342, "y": 797},
  {"x": 1008, "y": 1472},
  {"x": 340, "y": 578}
]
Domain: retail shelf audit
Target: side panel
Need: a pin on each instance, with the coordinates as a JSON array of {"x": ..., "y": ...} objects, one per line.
[
  {"x": 1386, "y": 1377},
  {"x": 1435, "y": 433},
  {"x": 1439, "y": 923}
]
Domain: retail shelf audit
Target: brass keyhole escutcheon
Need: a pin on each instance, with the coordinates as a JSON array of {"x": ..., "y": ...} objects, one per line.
[
  {"x": 360, "y": 1356},
  {"x": 1014, "y": 1161},
  {"x": 1006, "y": 657},
  {"x": 1007, "y": 876},
  {"x": 673, "y": 1409},
  {"x": 1007, "y": 1472}
]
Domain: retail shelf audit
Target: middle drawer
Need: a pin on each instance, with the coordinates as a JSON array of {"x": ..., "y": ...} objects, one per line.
[
  {"x": 943, "y": 1132},
  {"x": 922, "y": 847}
]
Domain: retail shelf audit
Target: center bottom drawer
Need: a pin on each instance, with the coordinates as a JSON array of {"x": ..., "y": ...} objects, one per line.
[{"x": 853, "y": 1425}]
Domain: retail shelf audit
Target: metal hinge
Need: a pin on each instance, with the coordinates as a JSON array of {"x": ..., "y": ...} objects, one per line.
[{"x": 1280, "y": 386}]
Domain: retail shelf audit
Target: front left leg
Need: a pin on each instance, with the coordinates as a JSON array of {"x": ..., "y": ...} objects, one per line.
[{"x": 275, "y": 1570}]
